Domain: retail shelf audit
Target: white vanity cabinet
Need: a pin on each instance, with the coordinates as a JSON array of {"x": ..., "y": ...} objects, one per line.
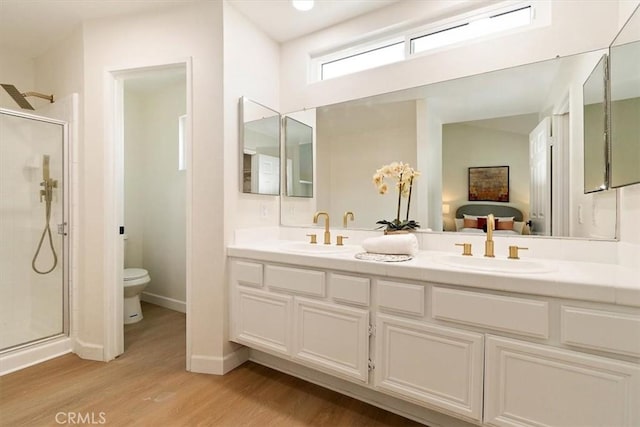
[
  {"x": 485, "y": 357},
  {"x": 292, "y": 317}
]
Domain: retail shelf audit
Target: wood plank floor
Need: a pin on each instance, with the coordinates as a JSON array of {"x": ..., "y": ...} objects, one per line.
[{"x": 148, "y": 386}]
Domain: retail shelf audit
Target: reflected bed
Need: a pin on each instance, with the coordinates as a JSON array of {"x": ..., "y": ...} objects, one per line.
[{"x": 472, "y": 218}]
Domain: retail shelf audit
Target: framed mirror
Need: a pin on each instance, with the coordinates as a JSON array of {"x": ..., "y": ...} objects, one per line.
[
  {"x": 260, "y": 148},
  {"x": 443, "y": 129},
  {"x": 624, "y": 78},
  {"x": 596, "y": 156},
  {"x": 298, "y": 152}
]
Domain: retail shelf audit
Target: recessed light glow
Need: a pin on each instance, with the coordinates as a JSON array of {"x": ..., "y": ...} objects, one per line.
[{"x": 302, "y": 5}]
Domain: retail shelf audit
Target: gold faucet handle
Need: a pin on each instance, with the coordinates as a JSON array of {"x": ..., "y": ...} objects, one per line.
[
  {"x": 466, "y": 248},
  {"x": 339, "y": 240},
  {"x": 345, "y": 217},
  {"x": 313, "y": 238},
  {"x": 513, "y": 252}
]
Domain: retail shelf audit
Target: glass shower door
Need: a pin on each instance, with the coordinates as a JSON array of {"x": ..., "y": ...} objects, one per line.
[{"x": 32, "y": 252}]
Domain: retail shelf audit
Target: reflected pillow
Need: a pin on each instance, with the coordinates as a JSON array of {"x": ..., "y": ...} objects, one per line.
[
  {"x": 482, "y": 223},
  {"x": 504, "y": 225},
  {"x": 518, "y": 226},
  {"x": 459, "y": 223},
  {"x": 470, "y": 223}
]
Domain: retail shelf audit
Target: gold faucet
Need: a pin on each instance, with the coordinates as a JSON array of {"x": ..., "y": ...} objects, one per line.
[
  {"x": 488, "y": 245},
  {"x": 327, "y": 234},
  {"x": 345, "y": 217}
]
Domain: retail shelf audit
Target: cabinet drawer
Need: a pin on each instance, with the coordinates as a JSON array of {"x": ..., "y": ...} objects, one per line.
[
  {"x": 401, "y": 297},
  {"x": 247, "y": 273},
  {"x": 508, "y": 314},
  {"x": 601, "y": 330},
  {"x": 354, "y": 290},
  {"x": 296, "y": 280}
]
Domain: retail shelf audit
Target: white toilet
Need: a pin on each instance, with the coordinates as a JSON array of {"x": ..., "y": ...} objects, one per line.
[{"x": 135, "y": 280}]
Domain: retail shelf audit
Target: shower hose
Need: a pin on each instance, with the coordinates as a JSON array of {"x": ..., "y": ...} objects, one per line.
[{"x": 46, "y": 231}]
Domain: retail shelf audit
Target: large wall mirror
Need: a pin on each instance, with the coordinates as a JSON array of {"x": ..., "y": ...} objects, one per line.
[
  {"x": 260, "y": 148},
  {"x": 444, "y": 130},
  {"x": 625, "y": 104}
]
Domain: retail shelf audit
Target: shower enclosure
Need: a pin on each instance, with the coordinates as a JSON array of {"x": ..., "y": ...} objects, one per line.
[{"x": 33, "y": 224}]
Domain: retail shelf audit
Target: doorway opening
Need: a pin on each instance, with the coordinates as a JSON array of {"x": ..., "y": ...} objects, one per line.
[{"x": 150, "y": 195}]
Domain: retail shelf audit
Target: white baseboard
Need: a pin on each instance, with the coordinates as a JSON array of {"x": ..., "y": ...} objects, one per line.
[
  {"x": 38, "y": 353},
  {"x": 219, "y": 365},
  {"x": 166, "y": 302},
  {"x": 88, "y": 351}
]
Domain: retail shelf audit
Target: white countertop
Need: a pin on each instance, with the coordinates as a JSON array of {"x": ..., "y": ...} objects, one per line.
[{"x": 606, "y": 283}]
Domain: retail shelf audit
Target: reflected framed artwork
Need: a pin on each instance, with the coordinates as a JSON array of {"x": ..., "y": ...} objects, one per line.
[{"x": 489, "y": 184}]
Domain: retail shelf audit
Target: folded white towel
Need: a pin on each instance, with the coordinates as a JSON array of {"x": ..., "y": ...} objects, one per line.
[{"x": 396, "y": 244}]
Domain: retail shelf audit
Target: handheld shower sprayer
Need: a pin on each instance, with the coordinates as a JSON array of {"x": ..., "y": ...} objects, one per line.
[{"x": 46, "y": 195}]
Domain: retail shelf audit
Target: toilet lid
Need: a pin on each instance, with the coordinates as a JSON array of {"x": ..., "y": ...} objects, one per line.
[{"x": 134, "y": 273}]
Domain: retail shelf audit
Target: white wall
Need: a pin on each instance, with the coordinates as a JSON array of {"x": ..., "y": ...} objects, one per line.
[
  {"x": 251, "y": 65},
  {"x": 155, "y": 190},
  {"x": 465, "y": 146},
  {"x": 190, "y": 31},
  {"x": 251, "y": 62},
  {"x": 18, "y": 70}
]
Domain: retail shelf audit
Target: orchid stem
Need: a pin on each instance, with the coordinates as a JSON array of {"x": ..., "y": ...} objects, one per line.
[
  {"x": 399, "y": 199},
  {"x": 409, "y": 198}
]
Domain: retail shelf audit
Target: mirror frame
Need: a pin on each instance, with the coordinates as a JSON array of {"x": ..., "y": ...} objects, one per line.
[
  {"x": 601, "y": 75},
  {"x": 632, "y": 24}
]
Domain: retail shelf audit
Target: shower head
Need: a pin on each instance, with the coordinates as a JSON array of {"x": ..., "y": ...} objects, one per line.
[
  {"x": 17, "y": 96},
  {"x": 20, "y": 98}
]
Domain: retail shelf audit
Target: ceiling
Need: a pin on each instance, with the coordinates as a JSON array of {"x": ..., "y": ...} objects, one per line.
[
  {"x": 32, "y": 27},
  {"x": 282, "y": 22}
]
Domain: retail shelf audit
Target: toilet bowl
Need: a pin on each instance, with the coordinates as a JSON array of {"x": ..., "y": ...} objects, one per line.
[{"x": 135, "y": 280}]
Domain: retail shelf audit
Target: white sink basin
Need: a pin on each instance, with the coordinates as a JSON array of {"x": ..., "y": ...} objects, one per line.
[
  {"x": 498, "y": 265},
  {"x": 318, "y": 248}
]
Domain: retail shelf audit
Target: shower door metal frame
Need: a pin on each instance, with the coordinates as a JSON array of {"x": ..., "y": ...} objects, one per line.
[{"x": 66, "y": 236}]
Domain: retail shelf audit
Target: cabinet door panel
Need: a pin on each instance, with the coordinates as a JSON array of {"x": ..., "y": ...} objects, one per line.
[
  {"x": 533, "y": 385},
  {"x": 428, "y": 364},
  {"x": 333, "y": 338},
  {"x": 263, "y": 320}
]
